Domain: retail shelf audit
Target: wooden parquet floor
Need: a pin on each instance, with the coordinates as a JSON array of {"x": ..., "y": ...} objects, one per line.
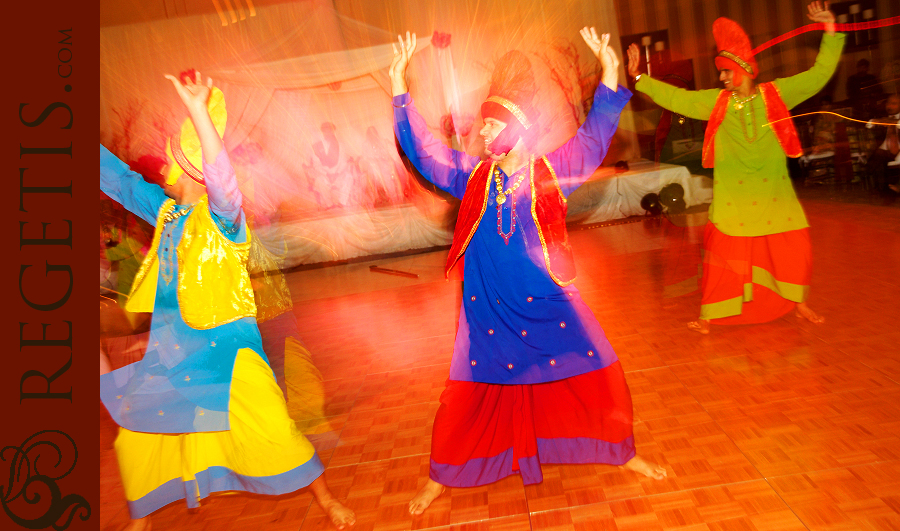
[{"x": 780, "y": 426}]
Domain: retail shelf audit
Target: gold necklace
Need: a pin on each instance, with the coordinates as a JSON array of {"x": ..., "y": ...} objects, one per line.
[
  {"x": 512, "y": 221},
  {"x": 170, "y": 217},
  {"x": 739, "y": 103},
  {"x": 498, "y": 181},
  {"x": 501, "y": 198}
]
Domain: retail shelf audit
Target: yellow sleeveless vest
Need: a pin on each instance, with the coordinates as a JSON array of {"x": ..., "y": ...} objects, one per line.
[
  {"x": 213, "y": 284},
  {"x": 273, "y": 297}
]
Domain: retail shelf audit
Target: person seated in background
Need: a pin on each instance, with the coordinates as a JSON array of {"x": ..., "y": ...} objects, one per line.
[
  {"x": 823, "y": 130},
  {"x": 885, "y": 160},
  {"x": 863, "y": 90}
]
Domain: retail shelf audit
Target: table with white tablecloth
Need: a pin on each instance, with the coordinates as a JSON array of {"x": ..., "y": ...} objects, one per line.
[
  {"x": 608, "y": 195},
  {"x": 345, "y": 235}
]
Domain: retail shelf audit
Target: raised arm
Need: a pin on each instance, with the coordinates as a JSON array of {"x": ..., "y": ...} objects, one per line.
[
  {"x": 609, "y": 61},
  {"x": 697, "y": 104},
  {"x": 448, "y": 169},
  {"x": 576, "y": 160},
  {"x": 128, "y": 188},
  {"x": 225, "y": 198},
  {"x": 796, "y": 89}
]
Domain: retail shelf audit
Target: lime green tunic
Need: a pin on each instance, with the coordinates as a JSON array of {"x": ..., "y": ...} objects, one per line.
[{"x": 752, "y": 193}]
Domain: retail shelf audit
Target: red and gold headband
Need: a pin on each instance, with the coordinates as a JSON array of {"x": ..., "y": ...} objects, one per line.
[
  {"x": 512, "y": 108},
  {"x": 740, "y": 62}
]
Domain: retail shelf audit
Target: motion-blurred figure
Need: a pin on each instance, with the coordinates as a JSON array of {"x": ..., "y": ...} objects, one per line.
[
  {"x": 758, "y": 257},
  {"x": 201, "y": 411}
]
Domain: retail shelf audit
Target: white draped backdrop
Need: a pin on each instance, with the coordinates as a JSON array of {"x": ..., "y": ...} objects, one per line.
[{"x": 310, "y": 73}]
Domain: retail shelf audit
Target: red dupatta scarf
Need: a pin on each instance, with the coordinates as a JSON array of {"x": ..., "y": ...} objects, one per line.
[{"x": 548, "y": 209}]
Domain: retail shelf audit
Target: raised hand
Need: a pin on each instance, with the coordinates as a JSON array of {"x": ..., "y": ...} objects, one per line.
[
  {"x": 400, "y": 63},
  {"x": 193, "y": 92},
  {"x": 609, "y": 61},
  {"x": 820, "y": 13},
  {"x": 634, "y": 54},
  {"x": 596, "y": 44}
]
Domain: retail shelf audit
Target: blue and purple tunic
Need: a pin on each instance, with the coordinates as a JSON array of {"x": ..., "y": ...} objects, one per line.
[
  {"x": 516, "y": 325},
  {"x": 533, "y": 378}
]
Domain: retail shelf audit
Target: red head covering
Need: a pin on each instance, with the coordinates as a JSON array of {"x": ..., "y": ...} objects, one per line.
[
  {"x": 735, "y": 51},
  {"x": 510, "y": 100}
]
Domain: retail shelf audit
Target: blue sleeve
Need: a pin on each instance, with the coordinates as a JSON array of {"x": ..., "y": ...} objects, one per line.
[
  {"x": 575, "y": 161},
  {"x": 128, "y": 188},
  {"x": 446, "y": 168}
]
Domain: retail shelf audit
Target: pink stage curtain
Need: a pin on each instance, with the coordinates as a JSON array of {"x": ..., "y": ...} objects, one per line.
[{"x": 308, "y": 96}]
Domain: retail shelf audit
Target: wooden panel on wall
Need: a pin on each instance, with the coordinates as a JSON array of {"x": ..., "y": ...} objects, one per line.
[{"x": 689, "y": 25}]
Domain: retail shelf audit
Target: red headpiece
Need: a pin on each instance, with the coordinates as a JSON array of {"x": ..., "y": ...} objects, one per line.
[
  {"x": 735, "y": 51},
  {"x": 510, "y": 100}
]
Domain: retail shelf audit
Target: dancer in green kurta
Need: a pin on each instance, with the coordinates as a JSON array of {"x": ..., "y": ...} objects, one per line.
[{"x": 757, "y": 254}]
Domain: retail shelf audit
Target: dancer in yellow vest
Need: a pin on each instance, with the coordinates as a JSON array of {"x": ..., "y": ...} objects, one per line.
[
  {"x": 757, "y": 259},
  {"x": 201, "y": 412}
]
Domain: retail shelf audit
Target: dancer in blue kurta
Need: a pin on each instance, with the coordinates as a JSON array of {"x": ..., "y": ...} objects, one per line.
[
  {"x": 201, "y": 412},
  {"x": 533, "y": 378}
]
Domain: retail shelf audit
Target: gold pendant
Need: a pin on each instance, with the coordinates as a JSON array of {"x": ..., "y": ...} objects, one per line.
[
  {"x": 738, "y": 106},
  {"x": 501, "y": 198}
]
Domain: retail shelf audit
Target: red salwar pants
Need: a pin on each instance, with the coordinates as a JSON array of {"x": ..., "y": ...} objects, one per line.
[
  {"x": 486, "y": 432},
  {"x": 753, "y": 279}
]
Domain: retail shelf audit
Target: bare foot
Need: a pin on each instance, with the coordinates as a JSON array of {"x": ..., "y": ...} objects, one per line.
[
  {"x": 141, "y": 524},
  {"x": 805, "y": 312},
  {"x": 639, "y": 465},
  {"x": 341, "y": 516},
  {"x": 700, "y": 325},
  {"x": 425, "y": 496}
]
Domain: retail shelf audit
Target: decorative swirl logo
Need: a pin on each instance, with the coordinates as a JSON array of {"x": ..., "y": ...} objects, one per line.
[{"x": 32, "y": 499}]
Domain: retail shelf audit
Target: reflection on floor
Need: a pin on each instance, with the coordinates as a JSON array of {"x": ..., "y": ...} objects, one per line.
[{"x": 780, "y": 426}]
